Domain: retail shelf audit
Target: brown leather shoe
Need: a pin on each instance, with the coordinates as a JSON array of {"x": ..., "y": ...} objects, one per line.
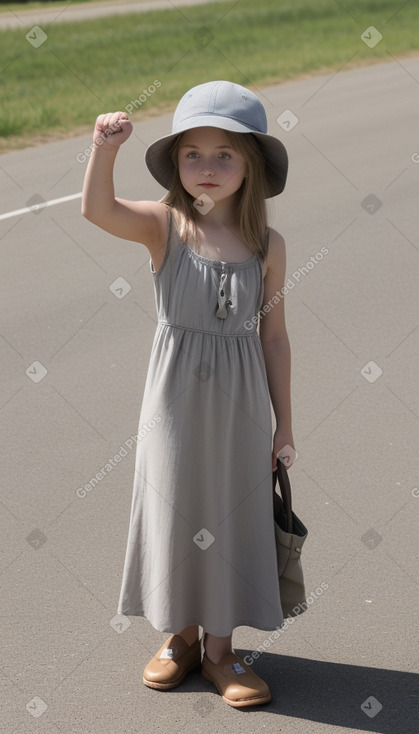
[
  {"x": 235, "y": 681},
  {"x": 172, "y": 663}
]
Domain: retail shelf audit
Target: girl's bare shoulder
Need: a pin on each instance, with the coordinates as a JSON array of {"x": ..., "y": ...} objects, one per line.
[
  {"x": 275, "y": 258},
  {"x": 157, "y": 215},
  {"x": 155, "y": 209}
]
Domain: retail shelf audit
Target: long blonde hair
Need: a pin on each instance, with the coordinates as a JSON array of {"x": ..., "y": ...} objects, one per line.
[{"x": 251, "y": 202}]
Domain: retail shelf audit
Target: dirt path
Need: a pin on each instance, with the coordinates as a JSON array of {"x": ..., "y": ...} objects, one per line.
[{"x": 70, "y": 12}]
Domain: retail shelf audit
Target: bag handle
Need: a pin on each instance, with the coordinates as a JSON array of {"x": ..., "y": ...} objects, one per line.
[{"x": 285, "y": 487}]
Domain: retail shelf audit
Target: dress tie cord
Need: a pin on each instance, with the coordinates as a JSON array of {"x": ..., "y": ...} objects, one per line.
[{"x": 223, "y": 299}]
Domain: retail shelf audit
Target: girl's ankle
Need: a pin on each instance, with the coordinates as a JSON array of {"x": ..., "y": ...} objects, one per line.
[
  {"x": 216, "y": 648},
  {"x": 190, "y": 634}
]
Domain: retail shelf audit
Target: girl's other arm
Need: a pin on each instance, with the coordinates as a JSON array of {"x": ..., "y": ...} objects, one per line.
[
  {"x": 276, "y": 347},
  {"x": 139, "y": 221}
]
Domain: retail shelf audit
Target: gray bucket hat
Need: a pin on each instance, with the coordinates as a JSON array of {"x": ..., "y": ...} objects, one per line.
[{"x": 227, "y": 106}]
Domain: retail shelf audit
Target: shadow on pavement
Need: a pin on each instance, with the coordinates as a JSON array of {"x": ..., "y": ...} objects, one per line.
[{"x": 333, "y": 693}]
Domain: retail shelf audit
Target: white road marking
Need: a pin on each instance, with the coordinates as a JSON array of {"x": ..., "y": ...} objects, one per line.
[{"x": 41, "y": 205}]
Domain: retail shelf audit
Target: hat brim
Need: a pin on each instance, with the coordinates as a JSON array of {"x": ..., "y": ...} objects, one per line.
[{"x": 162, "y": 168}]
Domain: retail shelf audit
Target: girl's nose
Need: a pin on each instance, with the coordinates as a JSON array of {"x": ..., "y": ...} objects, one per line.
[{"x": 207, "y": 172}]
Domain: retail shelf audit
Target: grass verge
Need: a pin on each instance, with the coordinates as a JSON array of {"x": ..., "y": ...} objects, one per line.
[{"x": 84, "y": 68}]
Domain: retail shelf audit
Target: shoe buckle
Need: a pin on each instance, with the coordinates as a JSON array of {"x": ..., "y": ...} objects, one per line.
[
  {"x": 169, "y": 653},
  {"x": 238, "y": 668}
]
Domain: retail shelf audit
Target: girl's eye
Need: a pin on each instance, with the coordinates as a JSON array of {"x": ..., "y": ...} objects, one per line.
[{"x": 193, "y": 154}]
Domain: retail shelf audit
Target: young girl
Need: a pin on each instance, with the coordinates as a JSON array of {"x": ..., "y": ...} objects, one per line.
[{"x": 201, "y": 547}]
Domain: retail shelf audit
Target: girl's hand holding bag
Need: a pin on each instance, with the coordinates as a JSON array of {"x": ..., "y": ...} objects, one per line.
[{"x": 290, "y": 535}]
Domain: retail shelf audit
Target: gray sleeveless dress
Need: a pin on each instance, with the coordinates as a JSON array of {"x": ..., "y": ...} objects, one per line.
[{"x": 201, "y": 545}]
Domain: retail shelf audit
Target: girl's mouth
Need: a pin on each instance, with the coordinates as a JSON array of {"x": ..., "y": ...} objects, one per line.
[{"x": 208, "y": 185}]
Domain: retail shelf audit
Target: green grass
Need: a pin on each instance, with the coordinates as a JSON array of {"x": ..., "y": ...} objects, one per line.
[{"x": 87, "y": 68}]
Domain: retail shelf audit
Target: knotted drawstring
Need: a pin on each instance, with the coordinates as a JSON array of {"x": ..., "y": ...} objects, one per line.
[{"x": 223, "y": 301}]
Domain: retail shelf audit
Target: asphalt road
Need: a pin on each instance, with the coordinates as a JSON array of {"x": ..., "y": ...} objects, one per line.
[{"x": 75, "y": 349}]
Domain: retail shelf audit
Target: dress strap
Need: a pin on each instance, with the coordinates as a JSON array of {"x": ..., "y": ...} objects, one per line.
[{"x": 267, "y": 238}]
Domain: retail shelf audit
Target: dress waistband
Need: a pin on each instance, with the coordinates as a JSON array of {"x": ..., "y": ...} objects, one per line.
[{"x": 205, "y": 331}]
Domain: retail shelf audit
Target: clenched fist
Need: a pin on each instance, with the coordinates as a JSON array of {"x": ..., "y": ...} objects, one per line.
[{"x": 112, "y": 129}]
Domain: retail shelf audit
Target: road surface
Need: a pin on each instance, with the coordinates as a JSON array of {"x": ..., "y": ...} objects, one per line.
[{"x": 77, "y": 322}]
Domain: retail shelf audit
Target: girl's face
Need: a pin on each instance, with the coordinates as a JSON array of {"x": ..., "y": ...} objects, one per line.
[{"x": 208, "y": 164}]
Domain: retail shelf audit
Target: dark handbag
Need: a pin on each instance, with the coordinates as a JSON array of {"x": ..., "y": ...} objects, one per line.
[{"x": 290, "y": 535}]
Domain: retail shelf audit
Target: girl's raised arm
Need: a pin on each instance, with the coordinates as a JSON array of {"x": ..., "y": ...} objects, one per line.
[{"x": 139, "y": 221}]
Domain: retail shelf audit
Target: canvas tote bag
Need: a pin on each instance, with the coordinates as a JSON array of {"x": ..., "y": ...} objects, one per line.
[{"x": 290, "y": 535}]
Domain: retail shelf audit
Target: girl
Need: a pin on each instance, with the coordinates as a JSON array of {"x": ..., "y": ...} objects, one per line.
[{"x": 201, "y": 547}]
